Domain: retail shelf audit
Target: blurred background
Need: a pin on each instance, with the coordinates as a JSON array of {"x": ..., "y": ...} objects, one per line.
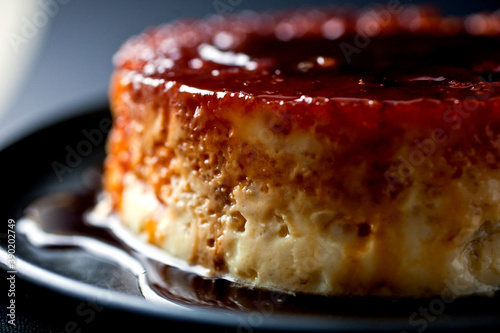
[{"x": 55, "y": 55}]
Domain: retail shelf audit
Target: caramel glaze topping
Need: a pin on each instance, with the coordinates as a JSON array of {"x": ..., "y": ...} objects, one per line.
[
  {"x": 336, "y": 67},
  {"x": 385, "y": 55},
  {"x": 363, "y": 78}
]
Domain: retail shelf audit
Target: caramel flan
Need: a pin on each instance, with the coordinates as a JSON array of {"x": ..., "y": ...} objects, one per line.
[{"x": 323, "y": 151}]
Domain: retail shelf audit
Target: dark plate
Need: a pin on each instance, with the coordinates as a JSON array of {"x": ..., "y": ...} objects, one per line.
[{"x": 63, "y": 157}]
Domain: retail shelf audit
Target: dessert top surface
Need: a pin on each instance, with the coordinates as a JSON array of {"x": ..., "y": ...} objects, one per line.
[{"x": 392, "y": 53}]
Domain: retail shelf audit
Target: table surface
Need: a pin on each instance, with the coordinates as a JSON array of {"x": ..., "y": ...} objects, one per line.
[{"x": 70, "y": 74}]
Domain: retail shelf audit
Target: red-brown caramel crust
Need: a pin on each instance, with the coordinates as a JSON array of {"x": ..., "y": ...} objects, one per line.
[
  {"x": 416, "y": 68},
  {"x": 410, "y": 54}
]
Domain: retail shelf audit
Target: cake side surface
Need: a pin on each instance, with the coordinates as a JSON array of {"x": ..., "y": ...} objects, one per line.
[{"x": 305, "y": 177}]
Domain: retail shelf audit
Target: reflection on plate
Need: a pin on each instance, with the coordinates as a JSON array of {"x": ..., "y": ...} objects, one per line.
[{"x": 62, "y": 246}]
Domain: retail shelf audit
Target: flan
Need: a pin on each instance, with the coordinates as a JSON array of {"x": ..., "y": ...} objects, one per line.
[{"x": 332, "y": 151}]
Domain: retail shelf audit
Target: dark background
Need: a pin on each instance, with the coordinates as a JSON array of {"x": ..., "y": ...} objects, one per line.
[{"x": 70, "y": 74}]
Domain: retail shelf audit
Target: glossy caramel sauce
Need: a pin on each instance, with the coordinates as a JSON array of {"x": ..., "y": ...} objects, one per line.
[
  {"x": 343, "y": 73},
  {"x": 411, "y": 54}
]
